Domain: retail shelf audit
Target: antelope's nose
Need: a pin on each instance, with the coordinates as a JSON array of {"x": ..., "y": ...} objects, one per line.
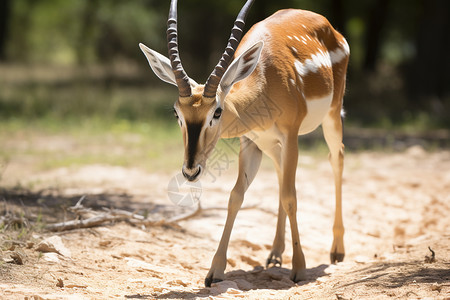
[{"x": 191, "y": 174}]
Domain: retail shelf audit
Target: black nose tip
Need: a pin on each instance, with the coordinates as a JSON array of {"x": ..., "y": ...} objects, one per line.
[{"x": 191, "y": 176}]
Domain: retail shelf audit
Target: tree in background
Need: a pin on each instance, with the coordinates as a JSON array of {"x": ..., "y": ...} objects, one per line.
[
  {"x": 5, "y": 13},
  {"x": 398, "y": 48},
  {"x": 428, "y": 77}
]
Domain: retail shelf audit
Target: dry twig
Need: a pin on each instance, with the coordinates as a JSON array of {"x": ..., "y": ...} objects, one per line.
[
  {"x": 96, "y": 218},
  {"x": 432, "y": 258}
]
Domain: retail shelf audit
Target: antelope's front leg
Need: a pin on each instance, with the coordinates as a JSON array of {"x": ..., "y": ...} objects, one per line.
[
  {"x": 249, "y": 161},
  {"x": 289, "y": 202}
]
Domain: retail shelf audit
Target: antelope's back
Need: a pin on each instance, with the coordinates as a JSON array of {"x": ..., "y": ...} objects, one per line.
[{"x": 300, "y": 51}]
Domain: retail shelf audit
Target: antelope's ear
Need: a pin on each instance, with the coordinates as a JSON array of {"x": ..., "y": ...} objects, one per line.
[
  {"x": 160, "y": 64},
  {"x": 242, "y": 66}
]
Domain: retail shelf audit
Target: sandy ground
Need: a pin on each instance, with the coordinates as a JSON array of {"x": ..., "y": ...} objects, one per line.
[{"x": 396, "y": 205}]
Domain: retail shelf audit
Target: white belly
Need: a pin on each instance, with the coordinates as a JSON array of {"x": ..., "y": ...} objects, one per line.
[
  {"x": 271, "y": 139},
  {"x": 317, "y": 109}
]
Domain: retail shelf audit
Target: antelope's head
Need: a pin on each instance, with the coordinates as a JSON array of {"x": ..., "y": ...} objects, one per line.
[{"x": 199, "y": 107}]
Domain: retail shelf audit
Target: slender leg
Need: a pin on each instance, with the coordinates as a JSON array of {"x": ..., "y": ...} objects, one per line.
[
  {"x": 289, "y": 161},
  {"x": 278, "y": 246},
  {"x": 332, "y": 130},
  {"x": 249, "y": 161},
  {"x": 275, "y": 256}
]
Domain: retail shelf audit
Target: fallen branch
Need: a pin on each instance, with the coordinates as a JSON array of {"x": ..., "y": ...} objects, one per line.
[
  {"x": 97, "y": 218},
  {"x": 83, "y": 223},
  {"x": 123, "y": 213}
]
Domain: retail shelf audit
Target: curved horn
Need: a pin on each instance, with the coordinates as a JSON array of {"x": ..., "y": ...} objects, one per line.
[
  {"x": 184, "y": 87},
  {"x": 233, "y": 42}
]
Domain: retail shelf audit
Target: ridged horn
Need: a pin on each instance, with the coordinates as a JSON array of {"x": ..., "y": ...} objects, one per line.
[
  {"x": 233, "y": 42},
  {"x": 184, "y": 86}
]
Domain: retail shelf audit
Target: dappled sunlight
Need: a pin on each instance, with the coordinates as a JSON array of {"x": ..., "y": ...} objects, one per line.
[{"x": 93, "y": 201}]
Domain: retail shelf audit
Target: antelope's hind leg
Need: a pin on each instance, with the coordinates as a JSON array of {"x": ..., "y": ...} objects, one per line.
[
  {"x": 249, "y": 161},
  {"x": 278, "y": 246},
  {"x": 332, "y": 130}
]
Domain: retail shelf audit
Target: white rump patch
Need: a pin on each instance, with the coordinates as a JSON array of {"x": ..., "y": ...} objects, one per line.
[
  {"x": 313, "y": 64},
  {"x": 317, "y": 109},
  {"x": 340, "y": 53}
]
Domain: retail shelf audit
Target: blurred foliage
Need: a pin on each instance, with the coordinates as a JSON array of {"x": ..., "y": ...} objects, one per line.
[{"x": 76, "y": 59}]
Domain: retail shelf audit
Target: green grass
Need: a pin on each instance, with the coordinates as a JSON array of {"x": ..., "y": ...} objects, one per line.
[
  {"x": 91, "y": 115},
  {"x": 152, "y": 146},
  {"x": 118, "y": 115}
]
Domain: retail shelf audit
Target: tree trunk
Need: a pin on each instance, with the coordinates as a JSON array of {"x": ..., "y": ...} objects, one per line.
[
  {"x": 5, "y": 13},
  {"x": 88, "y": 19},
  {"x": 376, "y": 22},
  {"x": 430, "y": 78},
  {"x": 338, "y": 16}
]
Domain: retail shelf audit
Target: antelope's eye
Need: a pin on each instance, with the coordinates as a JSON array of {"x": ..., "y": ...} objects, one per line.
[
  {"x": 217, "y": 113},
  {"x": 175, "y": 113}
]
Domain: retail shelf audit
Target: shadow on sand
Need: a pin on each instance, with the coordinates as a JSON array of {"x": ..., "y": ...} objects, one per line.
[
  {"x": 52, "y": 206},
  {"x": 259, "y": 278}
]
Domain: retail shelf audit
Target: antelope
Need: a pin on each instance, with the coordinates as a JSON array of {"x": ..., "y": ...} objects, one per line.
[{"x": 284, "y": 79}]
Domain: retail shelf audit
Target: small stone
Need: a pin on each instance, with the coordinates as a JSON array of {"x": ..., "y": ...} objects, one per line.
[
  {"x": 15, "y": 258},
  {"x": 53, "y": 244},
  {"x": 60, "y": 283}
]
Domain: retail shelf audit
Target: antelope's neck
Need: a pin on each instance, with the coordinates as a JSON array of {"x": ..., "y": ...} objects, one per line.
[{"x": 246, "y": 108}]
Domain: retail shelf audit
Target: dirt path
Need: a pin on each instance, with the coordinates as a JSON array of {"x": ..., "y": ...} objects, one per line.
[{"x": 395, "y": 207}]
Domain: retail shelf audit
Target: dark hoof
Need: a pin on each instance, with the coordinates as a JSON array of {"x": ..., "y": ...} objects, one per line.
[
  {"x": 273, "y": 262},
  {"x": 210, "y": 280},
  {"x": 299, "y": 276},
  {"x": 336, "y": 257}
]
